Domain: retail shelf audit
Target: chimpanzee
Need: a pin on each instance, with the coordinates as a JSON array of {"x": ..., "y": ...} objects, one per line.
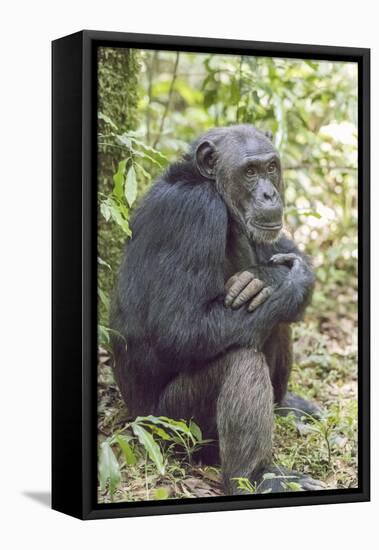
[{"x": 206, "y": 293}]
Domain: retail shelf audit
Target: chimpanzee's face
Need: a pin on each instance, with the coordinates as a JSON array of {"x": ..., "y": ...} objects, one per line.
[
  {"x": 247, "y": 171},
  {"x": 254, "y": 187}
]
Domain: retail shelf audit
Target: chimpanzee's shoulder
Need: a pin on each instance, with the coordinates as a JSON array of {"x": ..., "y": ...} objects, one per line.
[
  {"x": 183, "y": 172},
  {"x": 182, "y": 186},
  {"x": 173, "y": 208}
]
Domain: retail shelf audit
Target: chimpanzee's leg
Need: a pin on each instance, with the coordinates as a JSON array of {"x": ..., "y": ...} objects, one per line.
[
  {"x": 194, "y": 395},
  {"x": 245, "y": 425},
  {"x": 232, "y": 401},
  {"x": 245, "y": 418},
  {"x": 278, "y": 353}
]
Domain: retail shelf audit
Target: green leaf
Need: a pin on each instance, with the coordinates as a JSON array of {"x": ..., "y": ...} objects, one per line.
[
  {"x": 313, "y": 214},
  {"x": 125, "y": 140},
  {"x": 293, "y": 486},
  {"x": 100, "y": 261},
  {"x": 245, "y": 484},
  {"x": 129, "y": 455},
  {"x": 176, "y": 425},
  {"x": 118, "y": 212},
  {"x": 160, "y": 432},
  {"x": 103, "y": 297},
  {"x": 195, "y": 430},
  {"x": 161, "y": 493},
  {"x": 103, "y": 334},
  {"x": 142, "y": 169},
  {"x": 105, "y": 210},
  {"x": 102, "y": 116},
  {"x": 131, "y": 186},
  {"x": 210, "y": 97},
  {"x": 118, "y": 179},
  {"x": 151, "y": 149},
  {"x": 293, "y": 211},
  {"x": 150, "y": 445},
  {"x": 145, "y": 156},
  {"x": 109, "y": 470}
]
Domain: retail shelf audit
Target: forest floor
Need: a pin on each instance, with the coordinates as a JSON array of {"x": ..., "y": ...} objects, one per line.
[{"x": 325, "y": 370}]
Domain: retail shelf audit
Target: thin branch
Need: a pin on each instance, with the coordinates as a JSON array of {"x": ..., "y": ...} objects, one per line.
[
  {"x": 239, "y": 87},
  {"x": 153, "y": 62},
  {"x": 171, "y": 90}
]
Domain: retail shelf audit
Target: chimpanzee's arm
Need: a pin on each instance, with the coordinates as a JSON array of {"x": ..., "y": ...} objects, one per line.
[
  {"x": 254, "y": 285},
  {"x": 175, "y": 290}
]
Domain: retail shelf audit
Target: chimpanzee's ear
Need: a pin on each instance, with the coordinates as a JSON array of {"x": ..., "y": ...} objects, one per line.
[
  {"x": 206, "y": 158},
  {"x": 269, "y": 134}
]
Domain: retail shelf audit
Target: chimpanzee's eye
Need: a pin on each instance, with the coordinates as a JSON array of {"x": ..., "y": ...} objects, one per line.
[
  {"x": 251, "y": 172},
  {"x": 272, "y": 168}
]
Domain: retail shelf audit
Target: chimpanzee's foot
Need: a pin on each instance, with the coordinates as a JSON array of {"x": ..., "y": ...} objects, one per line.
[
  {"x": 281, "y": 480},
  {"x": 297, "y": 405}
]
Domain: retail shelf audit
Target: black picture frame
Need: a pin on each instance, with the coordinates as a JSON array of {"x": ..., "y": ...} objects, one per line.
[{"x": 74, "y": 336}]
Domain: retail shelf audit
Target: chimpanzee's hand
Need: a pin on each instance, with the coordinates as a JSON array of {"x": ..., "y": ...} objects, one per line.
[
  {"x": 299, "y": 269},
  {"x": 291, "y": 260},
  {"x": 244, "y": 287}
]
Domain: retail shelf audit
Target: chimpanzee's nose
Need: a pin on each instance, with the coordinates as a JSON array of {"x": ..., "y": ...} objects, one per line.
[{"x": 269, "y": 195}]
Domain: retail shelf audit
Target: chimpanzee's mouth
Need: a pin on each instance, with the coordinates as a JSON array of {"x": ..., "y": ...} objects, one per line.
[{"x": 268, "y": 226}]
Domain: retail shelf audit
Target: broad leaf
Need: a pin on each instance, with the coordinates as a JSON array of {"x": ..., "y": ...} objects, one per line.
[
  {"x": 118, "y": 179},
  {"x": 176, "y": 425},
  {"x": 129, "y": 455},
  {"x": 150, "y": 445},
  {"x": 103, "y": 334},
  {"x": 103, "y": 297},
  {"x": 131, "y": 186},
  {"x": 195, "y": 430},
  {"x": 105, "y": 210},
  {"x": 109, "y": 470}
]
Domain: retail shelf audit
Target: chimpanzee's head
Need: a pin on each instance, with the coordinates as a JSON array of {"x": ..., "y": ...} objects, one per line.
[{"x": 246, "y": 169}]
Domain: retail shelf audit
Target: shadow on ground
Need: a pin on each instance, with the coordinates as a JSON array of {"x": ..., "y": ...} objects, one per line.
[{"x": 42, "y": 497}]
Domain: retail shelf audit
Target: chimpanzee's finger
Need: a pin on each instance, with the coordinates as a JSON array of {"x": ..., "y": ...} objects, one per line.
[
  {"x": 248, "y": 293},
  {"x": 236, "y": 284},
  {"x": 230, "y": 282},
  {"x": 285, "y": 259},
  {"x": 260, "y": 298}
]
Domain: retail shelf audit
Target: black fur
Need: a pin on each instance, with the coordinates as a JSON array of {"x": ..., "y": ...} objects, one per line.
[{"x": 182, "y": 352}]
